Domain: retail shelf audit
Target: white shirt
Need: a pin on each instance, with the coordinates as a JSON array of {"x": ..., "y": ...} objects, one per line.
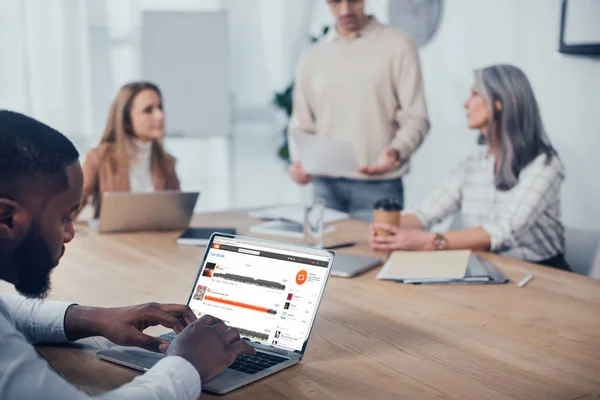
[
  {"x": 523, "y": 222},
  {"x": 140, "y": 168},
  {"x": 25, "y": 375}
]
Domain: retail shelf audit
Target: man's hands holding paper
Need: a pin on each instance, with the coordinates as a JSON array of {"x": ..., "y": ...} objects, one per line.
[
  {"x": 389, "y": 158},
  {"x": 299, "y": 175},
  {"x": 330, "y": 157}
]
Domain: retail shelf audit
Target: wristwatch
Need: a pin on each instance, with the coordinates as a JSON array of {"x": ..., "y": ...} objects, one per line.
[
  {"x": 397, "y": 163},
  {"x": 440, "y": 242}
]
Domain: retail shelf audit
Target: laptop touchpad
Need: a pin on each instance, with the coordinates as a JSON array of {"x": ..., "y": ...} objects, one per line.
[{"x": 149, "y": 361}]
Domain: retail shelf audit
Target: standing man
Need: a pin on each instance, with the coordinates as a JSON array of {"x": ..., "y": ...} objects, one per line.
[{"x": 361, "y": 84}]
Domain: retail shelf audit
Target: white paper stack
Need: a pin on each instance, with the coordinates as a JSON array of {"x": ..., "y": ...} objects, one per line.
[{"x": 295, "y": 214}]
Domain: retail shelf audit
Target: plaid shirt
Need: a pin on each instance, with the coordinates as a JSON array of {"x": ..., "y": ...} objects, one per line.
[{"x": 523, "y": 222}]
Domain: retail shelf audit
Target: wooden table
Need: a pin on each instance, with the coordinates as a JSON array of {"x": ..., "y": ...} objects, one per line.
[{"x": 372, "y": 339}]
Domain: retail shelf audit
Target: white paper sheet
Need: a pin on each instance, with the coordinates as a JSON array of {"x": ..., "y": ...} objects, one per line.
[
  {"x": 295, "y": 214},
  {"x": 284, "y": 228},
  {"x": 324, "y": 156}
]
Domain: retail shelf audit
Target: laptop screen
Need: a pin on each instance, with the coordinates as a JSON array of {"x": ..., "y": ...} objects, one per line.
[{"x": 269, "y": 291}]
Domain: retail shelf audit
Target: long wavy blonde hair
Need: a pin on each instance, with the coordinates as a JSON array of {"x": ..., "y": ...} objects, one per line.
[{"x": 118, "y": 131}]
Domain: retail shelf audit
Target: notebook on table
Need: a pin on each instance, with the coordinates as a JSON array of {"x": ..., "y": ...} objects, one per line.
[
  {"x": 284, "y": 228},
  {"x": 350, "y": 265},
  {"x": 201, "y": 236},
  {"x": 295, "y": 214},
  {"x": 453, "y": 266}
]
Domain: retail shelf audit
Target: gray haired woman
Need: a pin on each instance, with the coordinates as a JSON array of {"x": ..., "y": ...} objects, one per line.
[{"x": 508, "y": 192}]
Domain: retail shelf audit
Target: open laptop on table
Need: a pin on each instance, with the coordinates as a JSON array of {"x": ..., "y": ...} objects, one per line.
[
  {"x": 131, "y": 212},
  {"x": 350, "y": 265},
  {"x": 269, "y": 291}
]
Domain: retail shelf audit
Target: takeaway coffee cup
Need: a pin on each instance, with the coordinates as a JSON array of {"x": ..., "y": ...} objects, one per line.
[{"x": 387, "y": 211}]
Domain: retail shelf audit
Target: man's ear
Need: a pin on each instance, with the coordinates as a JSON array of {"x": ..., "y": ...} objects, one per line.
[{"x": 14, "y": 220}]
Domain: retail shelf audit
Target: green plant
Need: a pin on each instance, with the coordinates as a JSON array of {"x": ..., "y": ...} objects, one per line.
[{"x": 284, "y": 100}]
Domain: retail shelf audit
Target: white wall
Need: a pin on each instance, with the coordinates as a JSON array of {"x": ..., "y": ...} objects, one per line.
[
  {"x": 524, "y": 33},
  {"x": 44, "y": 68},
  {"x": 267, "y": 38},
  {"x": 115, "y": 46}
]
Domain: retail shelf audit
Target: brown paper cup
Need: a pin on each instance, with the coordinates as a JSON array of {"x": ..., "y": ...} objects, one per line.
[{"x": 387, "y": 217}]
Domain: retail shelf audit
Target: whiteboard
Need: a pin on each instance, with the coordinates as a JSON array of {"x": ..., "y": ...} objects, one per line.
[{"x": 186, "y": 54}]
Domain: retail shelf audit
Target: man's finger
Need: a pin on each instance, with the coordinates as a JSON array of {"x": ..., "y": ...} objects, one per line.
[
  {"x": 209, "y": 320},
  {"x": 163, "y": 348},
  {"x": 378, "y": 170},
  {"x": 166, "y": 319},
  {"x": 181, "y": 311},
  {"x": 139, "y": 339},
  {"x": 306, "y": 179},
  {"x": 220, "y": 327},
  {"x": 367, "y": 171},
  {"x": 231, "y": 335},
  {"x": 241, "y": 347}
]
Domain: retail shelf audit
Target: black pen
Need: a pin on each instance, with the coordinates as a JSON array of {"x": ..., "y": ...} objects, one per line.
[{"x": 341, "y": 245}]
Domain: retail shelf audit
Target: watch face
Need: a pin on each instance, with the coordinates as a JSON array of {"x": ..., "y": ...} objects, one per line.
[{"x": 440, "y": 242}]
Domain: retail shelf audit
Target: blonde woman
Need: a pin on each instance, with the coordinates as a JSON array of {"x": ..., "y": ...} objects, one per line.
[
  {"x": 130, "y": 156},
  {"x": 508, "y": 192}
]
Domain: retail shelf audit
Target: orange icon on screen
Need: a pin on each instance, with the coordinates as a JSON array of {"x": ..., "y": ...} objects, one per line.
[
  {"x": 301, "y": 277},
  {"x": 216, "y": 246}
]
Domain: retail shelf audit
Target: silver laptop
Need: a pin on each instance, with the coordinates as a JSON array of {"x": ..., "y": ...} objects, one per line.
[
  {"x": 269, "y": 291},
  {"x": 131, "y": 212},
  {"x": 349, "y": 265}
]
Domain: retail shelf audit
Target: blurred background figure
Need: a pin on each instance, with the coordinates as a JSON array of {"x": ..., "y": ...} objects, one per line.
[
  {"x": 361, "y": 84},
  {"x": 130, "y": 156},
  {"x": 507, "y": 193}
]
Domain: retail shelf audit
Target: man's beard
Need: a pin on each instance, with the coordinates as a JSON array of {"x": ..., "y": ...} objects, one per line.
[{"x": 34, "y": 262}]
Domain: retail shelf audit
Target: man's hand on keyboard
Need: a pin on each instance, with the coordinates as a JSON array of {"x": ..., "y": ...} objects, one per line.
[
  {"x": 209, "y": 345},
  {"x": 125, "y": 325}
]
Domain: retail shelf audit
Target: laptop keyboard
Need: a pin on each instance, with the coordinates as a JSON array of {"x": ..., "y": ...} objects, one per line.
[
  {"x": 245, "y": 363},
  {"x": 256, "y": 363}
]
